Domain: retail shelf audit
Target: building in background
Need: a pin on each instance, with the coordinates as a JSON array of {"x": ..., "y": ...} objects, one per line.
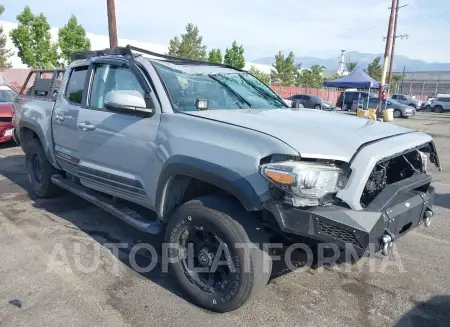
[{"x": 425, "y": 84}]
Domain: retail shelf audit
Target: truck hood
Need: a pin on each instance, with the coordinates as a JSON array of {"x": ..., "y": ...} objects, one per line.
[{"x": 314, "y": 134}]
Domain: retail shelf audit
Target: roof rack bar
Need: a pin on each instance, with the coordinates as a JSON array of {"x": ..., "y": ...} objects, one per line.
[
  {"x": 151, "y": 53},
  {"x": 128, "y": 51},
  {"x": 119, "y": 51}
]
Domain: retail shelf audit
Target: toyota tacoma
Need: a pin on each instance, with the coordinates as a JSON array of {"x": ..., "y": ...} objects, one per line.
[{"x": 213, "y": 158}]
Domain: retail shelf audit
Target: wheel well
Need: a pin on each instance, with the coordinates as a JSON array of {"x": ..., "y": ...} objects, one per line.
[
  {"x": 182, "y": 188},
  {"x": 26, "y": 135}
]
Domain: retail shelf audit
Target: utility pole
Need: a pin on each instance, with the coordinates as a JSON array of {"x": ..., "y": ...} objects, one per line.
[
  {"x": 386, "y": 55},
  {"x": 112, "y": 27},
  {"x": 391, "y": 64}
]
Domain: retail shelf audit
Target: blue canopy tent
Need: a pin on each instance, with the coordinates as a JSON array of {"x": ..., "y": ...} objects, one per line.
[{"x": 356, "y": 79}]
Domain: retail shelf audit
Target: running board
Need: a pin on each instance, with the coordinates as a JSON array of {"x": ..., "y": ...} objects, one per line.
[{"x": 126, "y": 214}]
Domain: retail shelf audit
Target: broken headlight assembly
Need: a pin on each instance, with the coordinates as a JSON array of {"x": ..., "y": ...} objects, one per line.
[{"x": 305, "y": 183}]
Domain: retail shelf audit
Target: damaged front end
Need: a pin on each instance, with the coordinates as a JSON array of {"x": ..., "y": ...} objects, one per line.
[{"x": 377, "y": 199}]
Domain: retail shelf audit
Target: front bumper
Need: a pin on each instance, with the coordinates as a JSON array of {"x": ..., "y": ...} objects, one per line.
[{"x": 399, "y": 208}]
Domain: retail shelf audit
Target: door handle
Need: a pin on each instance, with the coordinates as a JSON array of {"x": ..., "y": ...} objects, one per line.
[
  {"x": 59, "y": 117},
  {"x": 86, "y": 126}
]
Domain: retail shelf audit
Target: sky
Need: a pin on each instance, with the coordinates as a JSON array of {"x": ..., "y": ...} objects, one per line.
[{"x": 318, "y": 28}]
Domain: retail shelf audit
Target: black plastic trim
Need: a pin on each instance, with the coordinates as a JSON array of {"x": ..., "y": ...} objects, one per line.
[{"x": 211, "y": 173}]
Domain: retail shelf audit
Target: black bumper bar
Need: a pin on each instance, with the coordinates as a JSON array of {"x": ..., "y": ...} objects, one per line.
[{"x": 399, "y": 208}]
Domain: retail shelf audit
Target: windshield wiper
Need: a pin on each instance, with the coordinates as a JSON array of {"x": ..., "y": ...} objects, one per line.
[
  {"x": 263, "y": 92},
  {"x": 230, "y": 89}
]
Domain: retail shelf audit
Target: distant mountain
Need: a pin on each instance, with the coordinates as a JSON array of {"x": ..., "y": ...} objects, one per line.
[{"x": 363, "y": 60}]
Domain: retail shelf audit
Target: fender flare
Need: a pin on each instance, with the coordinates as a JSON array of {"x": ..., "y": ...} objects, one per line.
[
  {"x": 211, "y": 173},
  {"x": 40, "y": 134}
]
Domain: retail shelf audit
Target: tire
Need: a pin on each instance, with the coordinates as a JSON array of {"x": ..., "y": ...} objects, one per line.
[
  {"x": 413, "y": 105},
  {"x": 397, "y": 113},
  {"x": 428, "y": 109},
  {"x": 317, "y": 107},
  {"x": 225, "y": 222},
  {"x": 438, "y": 109},
  {"x": 344, "y": 107},
  {"x": 39, "y": 170}
]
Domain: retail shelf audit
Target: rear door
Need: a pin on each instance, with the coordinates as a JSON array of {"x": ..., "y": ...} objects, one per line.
[
  {"x": 118, "y": 148},
  {"x": 65, "y": 116},
  {"x": 445, "y": 103}
]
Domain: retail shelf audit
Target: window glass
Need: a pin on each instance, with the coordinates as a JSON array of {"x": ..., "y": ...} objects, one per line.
[
  {"x": 394, "y": 96},
  {"x": 223, "y": 88},
  {"x": 306, "y": 97},
  {"x": 111, "y": 78},
  {"x": 7, "y": 95},
  {"x": 75, "y": 85}
]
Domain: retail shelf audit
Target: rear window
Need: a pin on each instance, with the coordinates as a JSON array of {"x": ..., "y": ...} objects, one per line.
[{"x": 75, "y": 85}]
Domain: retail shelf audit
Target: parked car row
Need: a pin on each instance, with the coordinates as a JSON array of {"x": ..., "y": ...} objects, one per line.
[
  {"x": 311, "y": 102},
  {"x": 439, "y": 104},
  {"x": 400, "y": 110}
]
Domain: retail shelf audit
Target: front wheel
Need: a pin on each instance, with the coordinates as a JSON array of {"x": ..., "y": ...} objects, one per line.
[
  {"x": 397, "y": 113},
  {"x": 438, "y": 109},
  {"x": 428, "y": 109},
  {"x": 318, "y": 107},
  {"x": 216, "y": 253}
]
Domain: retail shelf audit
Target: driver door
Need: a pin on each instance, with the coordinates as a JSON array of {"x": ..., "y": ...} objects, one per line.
[{"x": 117, "y": 149}]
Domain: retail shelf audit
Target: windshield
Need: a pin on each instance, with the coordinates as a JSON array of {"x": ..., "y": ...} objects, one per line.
[
  {"x": 7, "y": 95},
  {"x": 222, "y": 87}
]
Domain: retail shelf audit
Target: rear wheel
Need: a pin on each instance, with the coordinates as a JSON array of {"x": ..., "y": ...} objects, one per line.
[
  {"x": 317, "y": 107},
  {"x": 397, "y": 113},
  {"x": 39, "y": 170},
  {"x": 216, "y": 253},
  {"x": 344, "y": 107},
  {"x": 438, "y": 109},
  {"x": 428, "y": 109}
]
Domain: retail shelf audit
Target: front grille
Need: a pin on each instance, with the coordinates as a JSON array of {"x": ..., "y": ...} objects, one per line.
[
  {"x": 389, "y": 171},
  {"x": 5, "y": 119},
  {"x": 338, "y": 233}
]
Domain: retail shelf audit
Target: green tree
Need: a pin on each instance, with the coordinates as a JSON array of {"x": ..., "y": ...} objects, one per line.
[
  {"x": 285, "y": 70},
  {"x": 5, "y": 53},
  {"x": 215, "y": 56},
  {"x": 235, "y": 56},
  {"x": 351, "y": 66},
  {"x": 374, "y": 69},
  {"x": 72, "y": 38},
  {"x": 312, "y": 77},
  {"x": 189, "y": 45},
  {"x": 395, "y": 79},
  {"x": 32, "y": 38},
  {"x": 259, "y": 74},
  {"x": 333, "y": 77}
]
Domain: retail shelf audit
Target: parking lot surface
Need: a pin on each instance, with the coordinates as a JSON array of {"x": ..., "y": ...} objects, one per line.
[{"x": 42, "y": 242}]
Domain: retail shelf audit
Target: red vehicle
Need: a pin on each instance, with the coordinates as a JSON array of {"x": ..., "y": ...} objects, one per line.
[{"x": 7, "y": 95}]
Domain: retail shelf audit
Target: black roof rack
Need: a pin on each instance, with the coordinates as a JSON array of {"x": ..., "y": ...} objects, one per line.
[{"x": 128, "y": 51}]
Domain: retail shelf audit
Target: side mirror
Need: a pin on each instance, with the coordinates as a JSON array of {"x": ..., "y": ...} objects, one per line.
[{"x": 126, "y": 100}]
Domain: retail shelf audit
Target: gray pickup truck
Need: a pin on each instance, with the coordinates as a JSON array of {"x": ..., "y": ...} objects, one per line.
[{"x": 212, "y": 157}]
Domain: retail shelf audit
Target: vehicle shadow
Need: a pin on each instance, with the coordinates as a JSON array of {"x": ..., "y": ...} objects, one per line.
[
  {"x": 442, "y": 200},
  {"x": 102, "y": 227},
  {"x": 432, "y": 313}
]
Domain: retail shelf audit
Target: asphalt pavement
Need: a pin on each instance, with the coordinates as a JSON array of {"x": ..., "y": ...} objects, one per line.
[{"x": 57, "y": 268}]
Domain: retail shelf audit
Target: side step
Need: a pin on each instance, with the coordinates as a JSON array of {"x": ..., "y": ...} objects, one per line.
[{"x": 126, "y": 214}]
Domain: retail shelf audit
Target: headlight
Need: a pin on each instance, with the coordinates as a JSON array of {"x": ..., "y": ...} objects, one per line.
[{"x": 306, "y": 182}]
